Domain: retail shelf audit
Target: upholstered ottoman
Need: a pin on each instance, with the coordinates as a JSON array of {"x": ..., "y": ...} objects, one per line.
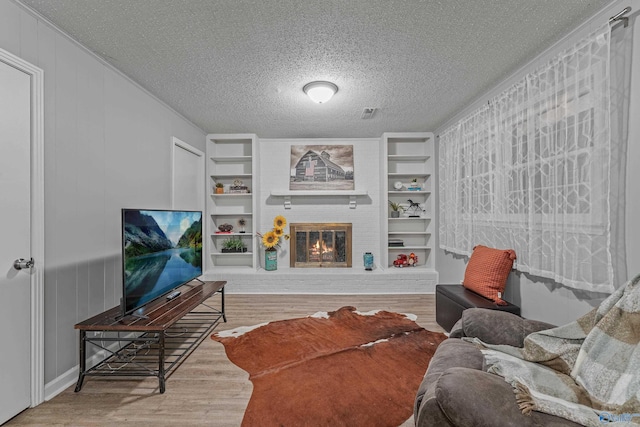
[{"x": 451, "y": 300}]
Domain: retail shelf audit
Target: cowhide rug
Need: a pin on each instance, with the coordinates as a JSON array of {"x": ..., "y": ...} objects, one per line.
[{"x": 330, "y": 369}]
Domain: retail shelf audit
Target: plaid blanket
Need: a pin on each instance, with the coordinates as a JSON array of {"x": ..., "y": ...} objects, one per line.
[{"x": 587, "y": 371}]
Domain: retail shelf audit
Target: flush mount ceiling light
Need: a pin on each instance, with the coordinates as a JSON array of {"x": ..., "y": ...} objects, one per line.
[{"x": 320, "y": 92}]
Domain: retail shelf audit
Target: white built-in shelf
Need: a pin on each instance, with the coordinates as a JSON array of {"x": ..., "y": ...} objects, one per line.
[
  {"x": 409, "y": 233},
  {"x": 230, "y": 195},
  {"x": 409, "y": 192},
  {"x": 232, "y": 159},
  {"x": 288, "y": 194},
  {"x": 231, "y": 175},
  {"x": 415, "y": 218},
  {"x": 231, "y": 253},
  {"x": 408, "y": 158},
  {"x": 409, "y": 247},
  {"x": 402, "y": 158},
  {"x": 408, "y": 175},
  {"x": 406, "y": 270}
]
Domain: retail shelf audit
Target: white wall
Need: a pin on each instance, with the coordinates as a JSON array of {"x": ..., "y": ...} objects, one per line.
[
  {"x": 275, "y": 155},
  {"x": 107, "y": 146},
  {"x": 540, "y": 298}
]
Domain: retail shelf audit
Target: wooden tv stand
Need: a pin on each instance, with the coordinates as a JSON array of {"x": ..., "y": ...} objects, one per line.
[{"x": 154, "y": 341}]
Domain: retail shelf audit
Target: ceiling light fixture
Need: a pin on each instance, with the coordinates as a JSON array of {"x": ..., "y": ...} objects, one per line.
[{"x": 320, "y": 92}]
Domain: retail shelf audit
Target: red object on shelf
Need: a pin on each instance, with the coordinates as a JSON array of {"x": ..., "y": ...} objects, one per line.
[
  {"x": 400, "y": 261},
  {"x": 406, "y": 261}
]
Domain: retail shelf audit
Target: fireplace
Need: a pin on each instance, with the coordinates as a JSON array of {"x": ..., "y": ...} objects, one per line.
[{"x": 320, "y": 245}]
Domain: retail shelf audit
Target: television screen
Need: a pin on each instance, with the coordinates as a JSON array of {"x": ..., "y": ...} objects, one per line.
[{"x": 161, "y": 250}]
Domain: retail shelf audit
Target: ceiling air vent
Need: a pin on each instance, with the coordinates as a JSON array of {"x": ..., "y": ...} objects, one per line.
[{"x": 368, "y": 113}]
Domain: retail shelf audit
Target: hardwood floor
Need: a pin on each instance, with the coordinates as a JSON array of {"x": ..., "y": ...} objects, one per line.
[{"x": 207, "y": 389}]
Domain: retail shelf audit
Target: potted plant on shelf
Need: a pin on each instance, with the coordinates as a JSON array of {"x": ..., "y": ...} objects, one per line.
[
  {"x": 219, "y": 188},
  {"x": 242, "y": 222},
  {"x": 233, "y": 244},
  {"x": 395, "y": 209}
]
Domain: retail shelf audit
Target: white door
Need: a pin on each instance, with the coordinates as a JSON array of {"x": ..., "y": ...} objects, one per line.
[
  {"x": 15, "y": 217},
  {"x": 188, "y": 177}
]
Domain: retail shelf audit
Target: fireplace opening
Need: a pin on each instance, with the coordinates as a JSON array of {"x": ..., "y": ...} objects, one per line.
[{"x": 320, "y": 245}]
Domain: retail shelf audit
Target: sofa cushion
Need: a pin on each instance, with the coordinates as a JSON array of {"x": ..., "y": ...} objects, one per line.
[
  {"x": 487, "y": 272},
  {"x": 471, "y": 397},
  {"x": 498, "y": 327}
]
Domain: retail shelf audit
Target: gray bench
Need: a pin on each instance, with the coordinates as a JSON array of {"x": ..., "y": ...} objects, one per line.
[{"x": 451, "y": 300}]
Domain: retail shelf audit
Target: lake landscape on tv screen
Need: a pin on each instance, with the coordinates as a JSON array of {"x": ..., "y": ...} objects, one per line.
[{"x": 162, "y": 250}]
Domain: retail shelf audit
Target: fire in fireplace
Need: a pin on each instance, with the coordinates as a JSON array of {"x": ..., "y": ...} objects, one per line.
[{"x": 320, "y": 245}]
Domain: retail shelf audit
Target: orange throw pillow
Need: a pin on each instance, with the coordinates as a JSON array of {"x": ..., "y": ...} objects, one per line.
[{"x": 487, "y": 272}]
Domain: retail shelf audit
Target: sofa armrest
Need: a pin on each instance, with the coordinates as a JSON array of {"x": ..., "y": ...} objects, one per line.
[
  {"x": 471, "y": 397},
  {"x": 496, "y": 327}
]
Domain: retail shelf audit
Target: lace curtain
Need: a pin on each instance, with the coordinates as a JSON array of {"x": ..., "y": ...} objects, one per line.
[{"x": 530, "y": 171}]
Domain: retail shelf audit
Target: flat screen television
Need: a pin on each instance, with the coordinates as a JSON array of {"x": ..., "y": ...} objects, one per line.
[{"x": 161, "y": 250}]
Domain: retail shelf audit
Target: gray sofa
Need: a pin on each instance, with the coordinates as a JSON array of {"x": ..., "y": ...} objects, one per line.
[{"x": 457, "y": 392}]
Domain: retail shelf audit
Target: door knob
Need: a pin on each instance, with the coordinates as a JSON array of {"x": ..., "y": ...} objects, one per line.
[{"x": 22, "y": 263}]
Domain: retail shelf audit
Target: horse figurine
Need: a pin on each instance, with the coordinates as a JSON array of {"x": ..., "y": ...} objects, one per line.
[{"x": 415, "y": 207}]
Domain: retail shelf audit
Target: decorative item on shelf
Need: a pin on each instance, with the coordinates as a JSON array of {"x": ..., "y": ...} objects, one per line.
[
  {"x": 242, "y": 222},
  {"x": 396, "y": 243},
  {"x": 270, "y": 259},
  {"x": 238, "y": 187},
  {"x": 271, "y": 241},
  {"x": 415, "y": 209},
  {"x": 400, "y": 261},
  {"x": 413, "y": 260},
  {"x": 414, "y": 186},
  {"x": 368, "y": 261},
  {"x": 403, "y": 260},
  {"x": 232, "y": 245},
  {"x": 395, "y": 209},
  {"x": 219, "y": 188},
  {"x": 397, "y": 185},
  {"x": 224, "y": 228}
]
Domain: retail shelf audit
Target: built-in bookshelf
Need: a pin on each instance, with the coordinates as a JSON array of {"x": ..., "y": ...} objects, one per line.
[
  {"x": 408, "y": 174},
  {"x": 231, "y": 162}
]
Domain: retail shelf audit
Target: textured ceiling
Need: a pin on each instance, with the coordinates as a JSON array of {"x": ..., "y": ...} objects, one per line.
[{"x": 238, "y": 66}]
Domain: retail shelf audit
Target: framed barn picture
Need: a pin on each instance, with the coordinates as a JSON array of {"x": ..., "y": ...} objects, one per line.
[{"x": 321, "y": 167}]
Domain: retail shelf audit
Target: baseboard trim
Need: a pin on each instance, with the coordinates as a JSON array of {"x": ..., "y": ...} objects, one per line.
[
  {"x": 61, "y": 383},
  {"x": 70, "y": 378}
]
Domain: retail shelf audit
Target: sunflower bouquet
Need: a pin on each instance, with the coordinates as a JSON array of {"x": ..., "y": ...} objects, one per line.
[{"x": 271, "y": 239}]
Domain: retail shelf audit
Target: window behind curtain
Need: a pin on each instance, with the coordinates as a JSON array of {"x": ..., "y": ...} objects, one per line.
[{"x": 531, "y": 171}]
